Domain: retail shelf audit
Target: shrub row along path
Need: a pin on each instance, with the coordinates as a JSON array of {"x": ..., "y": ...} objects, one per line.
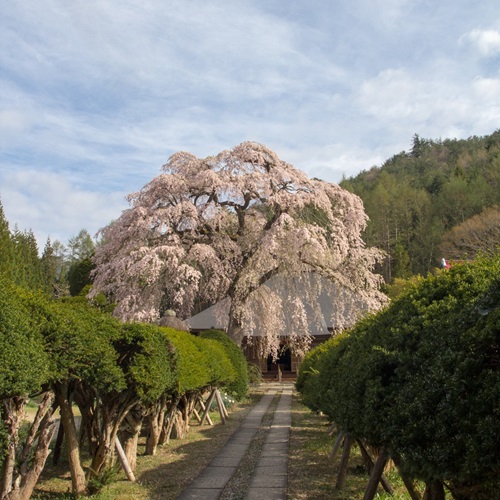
[{"x": 258, "y": 477}]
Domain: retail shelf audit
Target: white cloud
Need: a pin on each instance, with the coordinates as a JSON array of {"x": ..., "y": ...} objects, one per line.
[
  {"x": 486, "y": 41},
  {"x": 53, "y": 207},
  {"x": 95, "y": 97}
]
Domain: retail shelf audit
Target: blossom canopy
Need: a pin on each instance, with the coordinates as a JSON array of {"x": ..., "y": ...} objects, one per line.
[{"x": 221, "y": 227}]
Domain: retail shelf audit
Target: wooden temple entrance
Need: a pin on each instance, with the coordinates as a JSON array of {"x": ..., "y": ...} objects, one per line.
[{"x": 286, "y": 366}]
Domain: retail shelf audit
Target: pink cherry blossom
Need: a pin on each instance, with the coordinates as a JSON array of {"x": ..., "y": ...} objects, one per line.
[{"x": 220, "y": 228}]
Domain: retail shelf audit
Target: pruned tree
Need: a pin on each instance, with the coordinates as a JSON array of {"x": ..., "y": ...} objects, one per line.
[
  {"x": 206, "y": 229},
  {"x": 24, "y": 447}
]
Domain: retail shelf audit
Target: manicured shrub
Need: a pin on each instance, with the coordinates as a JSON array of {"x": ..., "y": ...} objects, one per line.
[
  {"x": 238, "y": 388},
  {"x": 307, "y": 380},
  {"x": 193, "y": 371},
  {"x": 422, "y": 378},
  {"x": 23, "y": 359},
  {"x": 220, "y": 369}
]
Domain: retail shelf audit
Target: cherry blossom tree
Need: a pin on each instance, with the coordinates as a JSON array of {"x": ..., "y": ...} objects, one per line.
[{"x": 221, "y": 227}]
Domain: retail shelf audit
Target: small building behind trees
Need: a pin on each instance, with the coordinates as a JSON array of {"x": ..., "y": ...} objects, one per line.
[{"x": 329, "y": 310}]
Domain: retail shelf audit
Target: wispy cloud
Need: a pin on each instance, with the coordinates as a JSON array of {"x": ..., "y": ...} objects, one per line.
[
  {"x": 53, "y": 206},
  {"x": 95, "y": 96}
]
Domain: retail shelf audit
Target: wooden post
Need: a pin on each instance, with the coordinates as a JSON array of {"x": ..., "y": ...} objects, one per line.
[
  {"x": 226, "y": 413},
  {"x": 123, "y": 460},
  {"x": 366, "y": 456},
  {"x": 202, "y": 406},
  {"x": 220, "y": 405},
  {"x": 336, "y": 446},
  {"x": 344, "y": 462},
  {"x": 331, "y": 429},
  {"x": 378, "y": 469},
  {"x": 208, "y": 404},
  {"x": 370, "y": 464},
  {"x": 410, "y": 486}
]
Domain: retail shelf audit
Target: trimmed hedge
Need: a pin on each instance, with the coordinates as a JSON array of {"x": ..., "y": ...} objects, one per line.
[
  {"x": 422, "y": 378},
  {"x": 193, "y": 370},
  {"x": 238, "y": 387},
  {"x": 23, "y": 359},
  {"x": 220, "y": 368}
]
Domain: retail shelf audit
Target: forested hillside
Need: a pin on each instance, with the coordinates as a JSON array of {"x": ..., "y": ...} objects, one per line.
[{"x": 439, "y": 200}]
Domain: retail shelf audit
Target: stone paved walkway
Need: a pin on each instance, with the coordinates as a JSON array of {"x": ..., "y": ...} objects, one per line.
[{"x": 269, "y": 479}]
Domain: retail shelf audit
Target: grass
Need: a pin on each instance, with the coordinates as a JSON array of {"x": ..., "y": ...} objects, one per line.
[
  {"x": 311, "y": 473},
  {"x": 164, "y": 475}
]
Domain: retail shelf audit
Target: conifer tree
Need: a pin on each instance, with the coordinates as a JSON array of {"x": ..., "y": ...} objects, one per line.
[{"x": 6, "y": 246}]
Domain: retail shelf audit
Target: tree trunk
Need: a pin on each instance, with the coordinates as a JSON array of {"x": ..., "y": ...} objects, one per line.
[
  {"x": 42, "y": 451},
  {"x": 168, "y": 421},
  {"x": 71, "y": 438},
  {"x": 178, "y": 431},
  {"x": 104, "y": 451},
  {"x": 156, "y": 417},
  {"x": 129, "y": 433},
  {"x": 12, "y": 414},
  {"x": 112, "y": 414},
  {"x": 86, "y": 399},
  {"x": 434, "y": 490},
  {"x": 20, "y": 474}
]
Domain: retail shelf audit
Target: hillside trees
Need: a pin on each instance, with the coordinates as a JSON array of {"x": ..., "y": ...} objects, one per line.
[
  {"x": 59, "y": 270},
  {"x": 479, "y": 234},
  {"x": 222, "y": 226},
  {"x": 414, "y": 198},
  {"x": 6, "y": 247}
]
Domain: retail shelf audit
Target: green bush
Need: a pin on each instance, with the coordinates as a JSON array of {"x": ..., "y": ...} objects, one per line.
[
  {"x": 193, "y": 371},
  {"x": 220, "y": 369},
  {"x": 422, "y": 378},
  {"x": 23, "y": 358},
  {"x": 238, "y": 388},
  {"x": 307, "y": 379},
  {"x": 79, "y": 339},
  {"x": 147, "y": 358}
]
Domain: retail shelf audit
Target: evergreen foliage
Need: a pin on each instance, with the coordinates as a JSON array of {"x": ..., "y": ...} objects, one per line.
[
  {"x": 23, "y": 358},
  {"x": 192, "y": 367},
  {"x": 414, "y": 198},
  {"x": 6, "y": 247},
  {"x": 238, "y": 388},
  {"x": 422, "y": 379}
]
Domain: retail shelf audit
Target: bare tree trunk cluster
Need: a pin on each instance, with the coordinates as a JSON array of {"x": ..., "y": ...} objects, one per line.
[{"x": 20, "y": 473}]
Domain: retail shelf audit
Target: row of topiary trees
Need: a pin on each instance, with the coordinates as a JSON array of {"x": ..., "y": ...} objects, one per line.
[
  {"x": 120, "y": 376},
  {"x": 420, "y": 381}
]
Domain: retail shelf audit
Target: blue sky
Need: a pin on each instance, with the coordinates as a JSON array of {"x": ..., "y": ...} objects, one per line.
[{"x": 95, "y": 95}]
